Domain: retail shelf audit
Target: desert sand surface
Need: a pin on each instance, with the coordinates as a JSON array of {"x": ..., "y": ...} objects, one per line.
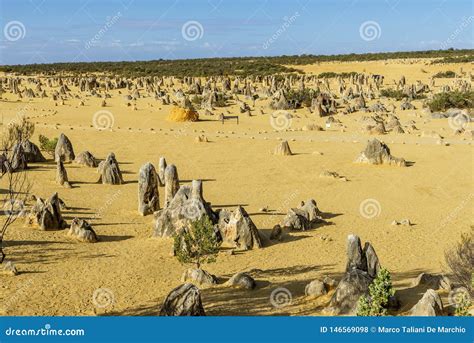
[{"x": 58, "y": 276}]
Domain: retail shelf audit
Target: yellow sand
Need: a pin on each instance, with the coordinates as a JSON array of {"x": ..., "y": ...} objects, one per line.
[{"x": 178, "y": 114}]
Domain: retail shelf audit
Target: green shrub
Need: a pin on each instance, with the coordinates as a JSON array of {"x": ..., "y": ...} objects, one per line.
[
  {"x": 455, "y": 59},
  {"x": 196, "y": 99},
  {"x": 301, "y": 97},
  {"x": 445, "y": 74},
  {"x": 48, "y": 145},
  {"x": 197, "y": 244},
  {"x": 331, "y": 75},
  {"x": 221, "y": 100},
  {"x": 243, "y": 66},
  {"x": 380, "y": 290},
  {"x": 455, "y": 99},
  {"x": 463, "y": 303},
  {"x": 397, "y": 94}
]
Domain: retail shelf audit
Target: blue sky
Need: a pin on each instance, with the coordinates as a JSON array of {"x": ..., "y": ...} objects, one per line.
[{"x": 42, "y": 31}]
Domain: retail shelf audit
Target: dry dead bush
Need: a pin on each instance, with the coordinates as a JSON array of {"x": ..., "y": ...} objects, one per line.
[{"x": 460, "y": 261}]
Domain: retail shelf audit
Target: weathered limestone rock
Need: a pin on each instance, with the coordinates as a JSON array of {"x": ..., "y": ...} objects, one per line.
[
  {"x": 82, "y": 231},
  {"x": 8, "y": 268},
  {"x": 434, "y": 281},
  {"x": 32, "y": 152},
  {"x": 315, "y": 288},
  {"x": 373, "y": 264},
  {"x": 283, "y": 149},
  {"x": 184, "y": 300},
  {"x": 362, "y": 267},
  {"x": 46, "y": 214},
  {"x": 355, "y": 256},
  {"x": 186, "y": 206},
  {"x": 171, "y": 183},
  {"x": 329, "y": 282},
  {"x": 85, "y": 158},
  {"x": 377, "y": 152},
  {"x": 64, "y": 150},
  {"x": 61, "y": 175},
  {"x": 277, "y": 233},
  {"x": 242, "y": 280},
  {"x": 161, "y": 171},
  {"x": 18, "y": 159},
  {"x": 148, "y": 196},
  {"x": 429, "y": 305},
  {"x": 305, "y": 217},
  {"x": 238, "y": 230},
  {"x": 198, "y": 276},
  {"x": 353, "y": 285},
  {"x": 363, "y": 259},
  {"x": 109, "y": 171}
]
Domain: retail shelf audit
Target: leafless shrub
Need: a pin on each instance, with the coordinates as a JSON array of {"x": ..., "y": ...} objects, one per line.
[
  {"x": 460, "y": 261},
  {"x": 17, "y": 184},
  {"x": 17, "y": 131}
]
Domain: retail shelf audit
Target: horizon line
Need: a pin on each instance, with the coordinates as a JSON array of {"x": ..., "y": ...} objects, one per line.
[{"x": 467, "y": 50}]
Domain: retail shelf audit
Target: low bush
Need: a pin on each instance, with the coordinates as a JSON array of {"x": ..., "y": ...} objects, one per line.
[{"x": 454, "y": 99}]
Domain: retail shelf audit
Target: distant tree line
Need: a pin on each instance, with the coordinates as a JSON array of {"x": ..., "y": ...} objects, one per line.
[{"x": 243, "y": 66}]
